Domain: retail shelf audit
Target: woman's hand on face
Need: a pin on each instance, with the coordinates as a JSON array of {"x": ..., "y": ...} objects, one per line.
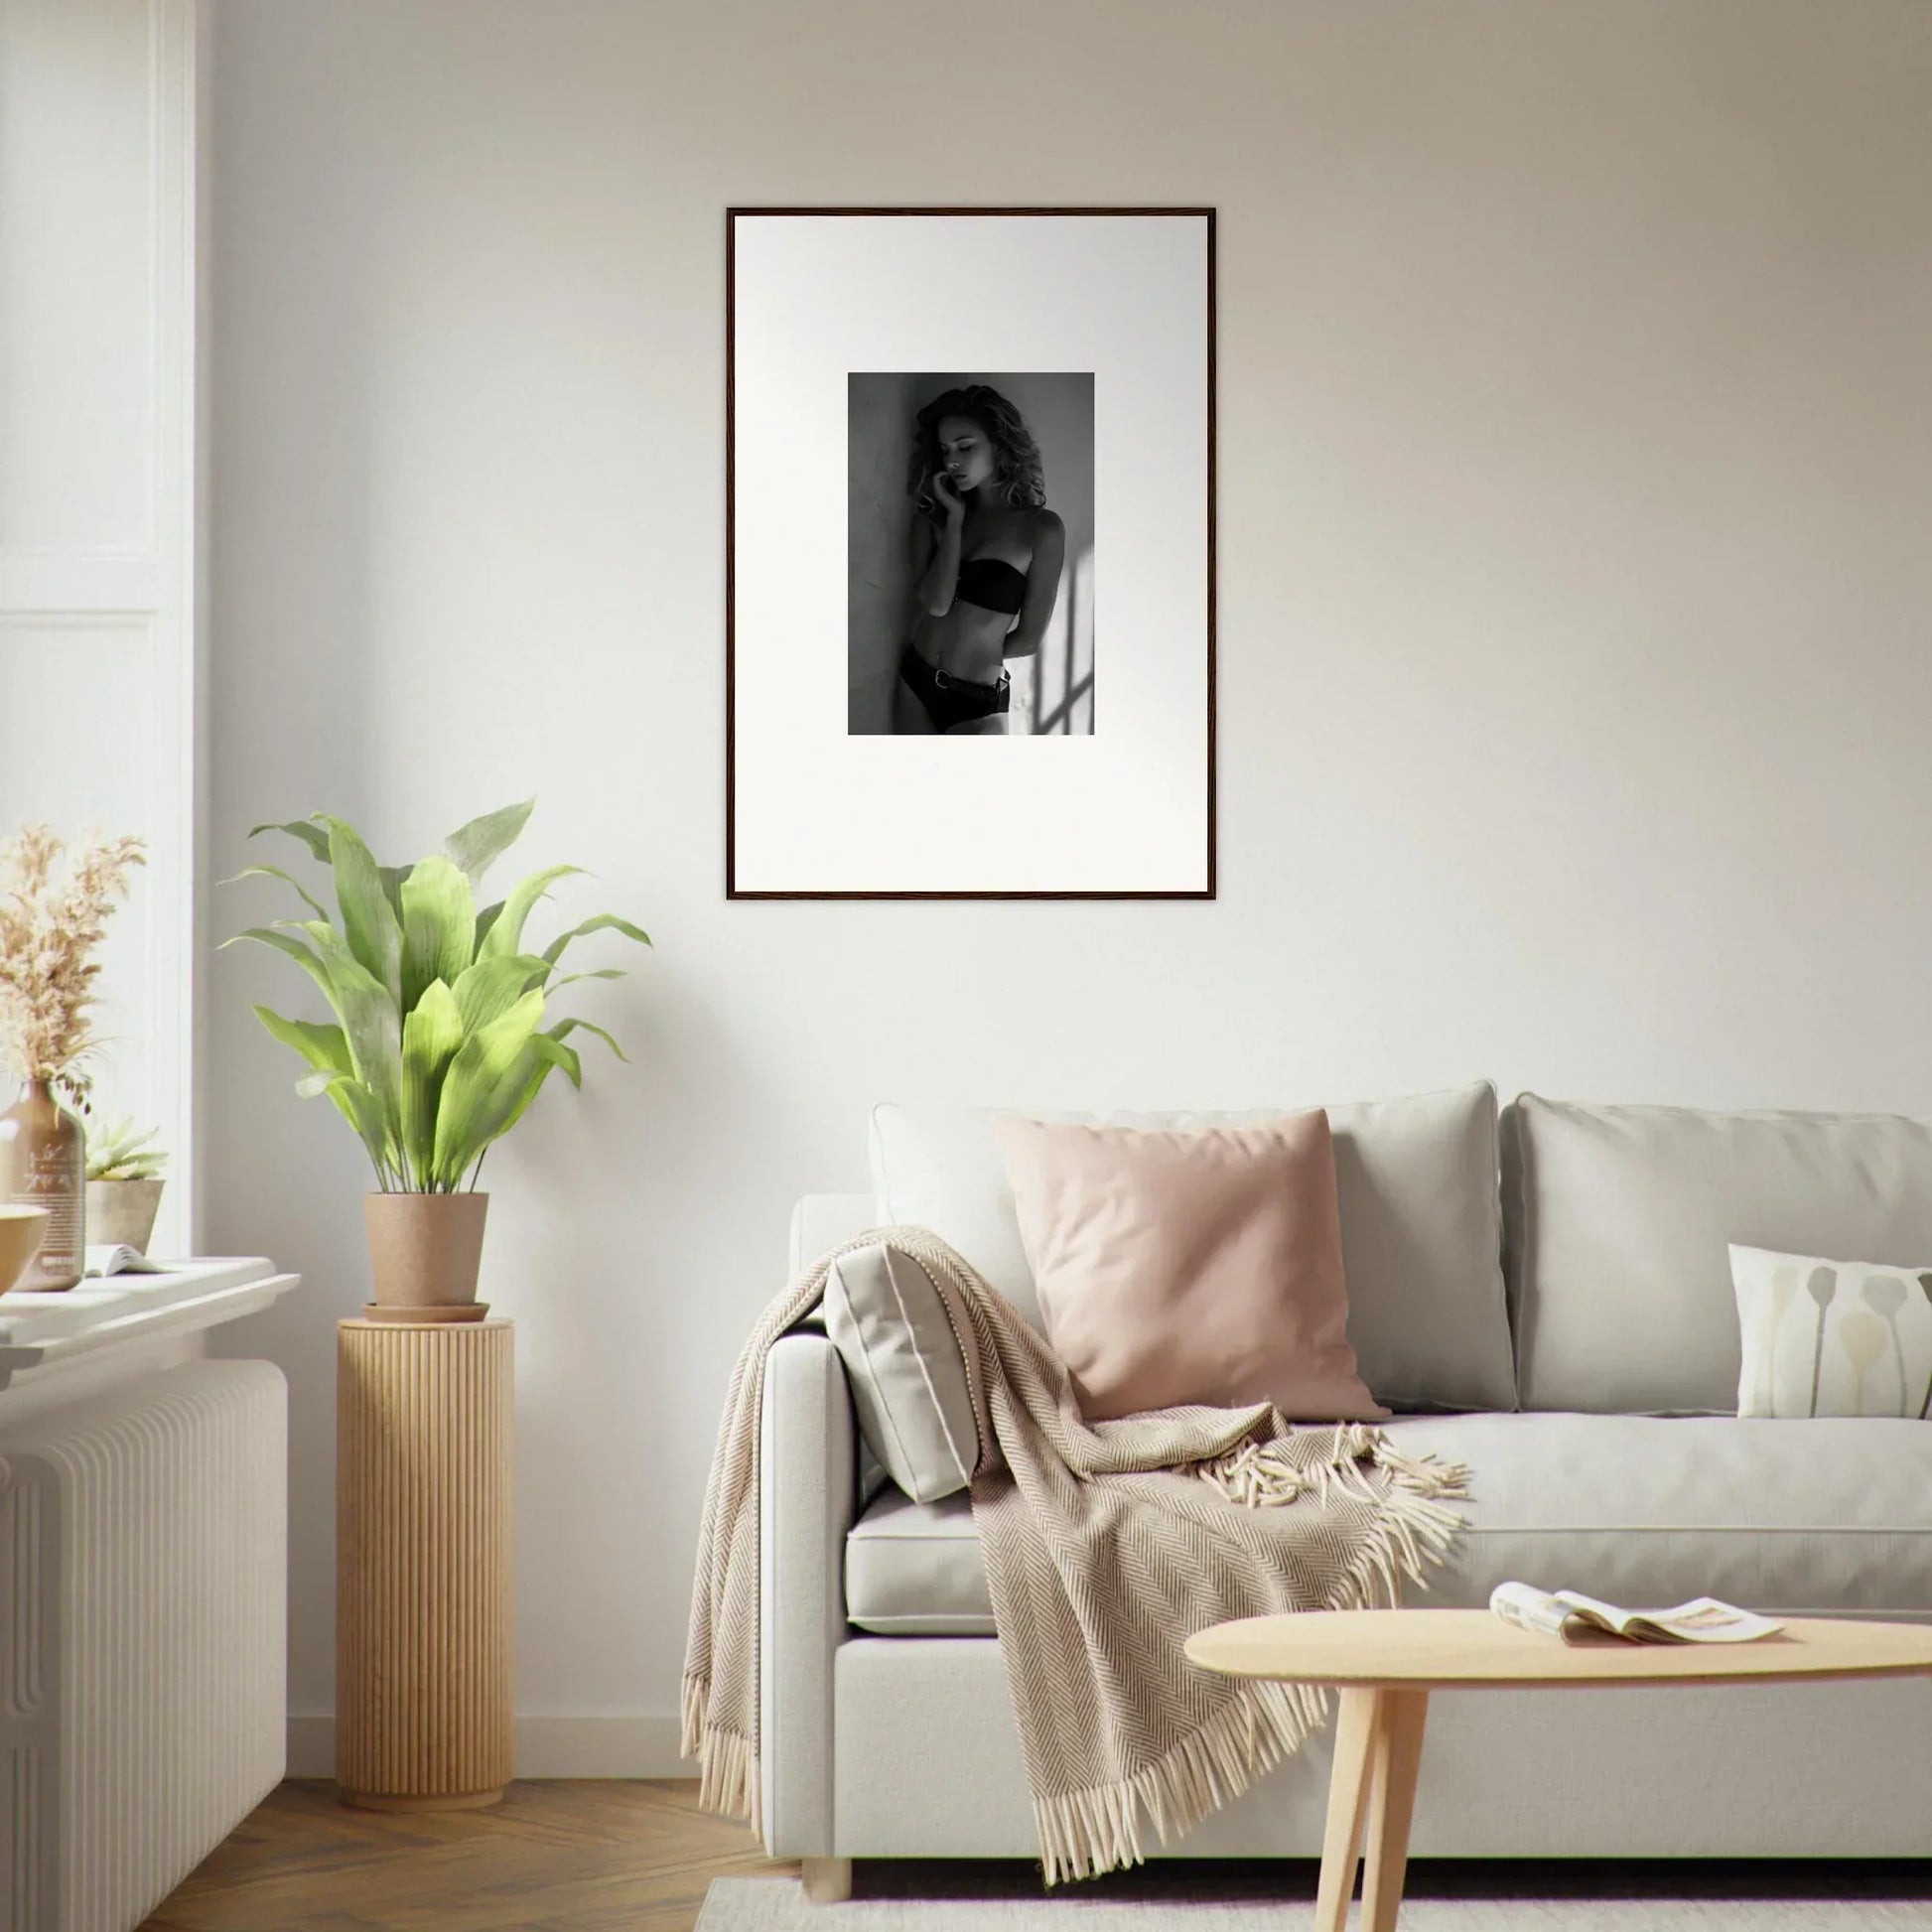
[{"x": 948, "y": 500}]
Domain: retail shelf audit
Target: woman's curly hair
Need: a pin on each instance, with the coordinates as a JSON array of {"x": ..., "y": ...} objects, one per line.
[{"x": 1017, "y": 480}]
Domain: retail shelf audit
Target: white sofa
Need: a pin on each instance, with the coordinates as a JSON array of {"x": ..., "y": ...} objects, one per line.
[{"x": 1550, "y": 1306}]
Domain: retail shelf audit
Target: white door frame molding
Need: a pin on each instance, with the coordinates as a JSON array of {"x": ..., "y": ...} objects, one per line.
[{"x": 119, "y": 570}]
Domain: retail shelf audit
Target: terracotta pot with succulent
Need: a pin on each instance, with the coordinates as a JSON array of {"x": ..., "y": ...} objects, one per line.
[
  {"x": 124, "y": 1185},
  {"x": 438, "y": 1044},
  {"x": 49, "y": 930}
]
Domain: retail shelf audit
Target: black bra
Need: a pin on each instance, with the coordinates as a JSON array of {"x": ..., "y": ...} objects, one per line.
[{"x": 992, "y": 584}]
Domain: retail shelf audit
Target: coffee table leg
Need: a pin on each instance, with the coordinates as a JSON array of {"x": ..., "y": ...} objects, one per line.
[
  {"x": 1357, "y": 1725},
  {"x": 1395, "y": 1757}
]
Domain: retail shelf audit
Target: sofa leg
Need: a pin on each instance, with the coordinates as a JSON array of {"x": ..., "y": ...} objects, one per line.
[{"x": 828, "y": 1881}]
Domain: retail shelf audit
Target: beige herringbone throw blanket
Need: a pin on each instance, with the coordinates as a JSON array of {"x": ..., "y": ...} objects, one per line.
[{"x": 1106, "y": 1546}]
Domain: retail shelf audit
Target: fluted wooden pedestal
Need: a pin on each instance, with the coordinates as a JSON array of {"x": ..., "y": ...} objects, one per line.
[{"x": 423, "y": 1569}]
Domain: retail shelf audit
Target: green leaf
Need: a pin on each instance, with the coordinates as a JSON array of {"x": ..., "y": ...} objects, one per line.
[
  {"x": 603, "y": 921},
  {"x": 431, "y": 1036},
  {"x": 392, "y": 878},
  {"x": 276, "y": 872},
  {"x": 506, "y": 933},
  {"x": 539, "y": 1057},
  {"x": 566, "y": 1027},
  {"x": 310, "y": 835},
  {"x": 369, "y": 1020},
  {"x": 486, "y": 918},
  {"x": 304, "y": 956},
  {"x": 492, "y": 986},
  {"x": 370, "y": 923},
  {"x": 476, "y": 847},
  {"x": 439, "y": 924},
  {"x": 325, "y": 1047},
  {"x": 116, "y": 1152},
  {"x": 479, "y": 1091}
]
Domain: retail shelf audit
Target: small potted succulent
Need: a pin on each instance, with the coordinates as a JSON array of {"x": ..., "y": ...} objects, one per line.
[
  {"x": 436, "y": 1042},
  {"x": 124, "y": 1183}
]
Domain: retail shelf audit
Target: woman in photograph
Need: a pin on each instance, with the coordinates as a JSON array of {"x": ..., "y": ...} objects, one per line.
[{"x": 986, "y": 563}]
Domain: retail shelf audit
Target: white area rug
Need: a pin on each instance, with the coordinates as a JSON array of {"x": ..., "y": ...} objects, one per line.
[{"x": 780, "y": 1905}]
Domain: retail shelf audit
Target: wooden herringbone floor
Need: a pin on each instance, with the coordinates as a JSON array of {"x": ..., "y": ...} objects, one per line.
[
  {"x": 555, "y": 1856},
  {"x": 615, "y": 1856}
]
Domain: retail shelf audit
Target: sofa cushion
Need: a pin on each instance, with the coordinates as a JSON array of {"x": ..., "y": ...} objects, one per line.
[
  {"x": 909, "y": 1390},
  {"x": 1421, "y": 1229},
  {"x": 1620, "y": 1222},
  {"x": 1803, "y": 1518},
  {"x": 1182, "y": 1268},
  {"x": 914, "y": 1569},
  {"x": 1831, "y": 1338}
]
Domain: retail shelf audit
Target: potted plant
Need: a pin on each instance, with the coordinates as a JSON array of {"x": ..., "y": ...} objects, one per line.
[
  {"x": 124, "y": 1185},
  {"x": 438, "y": 1044}
]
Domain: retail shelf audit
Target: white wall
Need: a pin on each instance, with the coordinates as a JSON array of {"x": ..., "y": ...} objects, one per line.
[{"x": 1576, "y": 452}]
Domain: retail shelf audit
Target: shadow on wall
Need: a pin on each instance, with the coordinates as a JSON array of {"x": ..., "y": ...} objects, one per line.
[
  {"x": 1062, "y": 695},
  {"x": 1054, "y": 693},
  {"x": 878, "y": 571}
]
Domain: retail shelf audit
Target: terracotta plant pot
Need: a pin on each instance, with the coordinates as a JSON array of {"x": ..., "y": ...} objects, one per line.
[
  {"x": 22, "y": 1230},
  {"x": 426, "y": 1249},
  {"x": 123, "y": 1211}
]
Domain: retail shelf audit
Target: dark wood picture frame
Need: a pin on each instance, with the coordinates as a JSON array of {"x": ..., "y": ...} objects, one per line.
[{"x": 733, "y": 890}]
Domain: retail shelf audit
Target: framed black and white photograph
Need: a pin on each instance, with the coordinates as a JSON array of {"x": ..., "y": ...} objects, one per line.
[
  {"x": 970, "y": 584},
  {"x": 1018, "y": 404}
]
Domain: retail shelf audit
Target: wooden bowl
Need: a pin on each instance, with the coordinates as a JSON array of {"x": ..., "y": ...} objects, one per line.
[{"x": 22, "y": 1230}]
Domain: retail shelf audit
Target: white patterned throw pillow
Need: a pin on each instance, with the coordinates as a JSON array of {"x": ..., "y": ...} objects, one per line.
[
  {"x": 1831, "y": 1338},
  {"x": 906, "y": 1370}
]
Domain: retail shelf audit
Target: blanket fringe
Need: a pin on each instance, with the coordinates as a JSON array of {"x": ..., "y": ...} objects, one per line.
[
  {"x": 1256, "y": 1475},
  {"x": 728, "y": 1766},
  {"x": 1415, "y": 1528},
  {"x": 1085, "y": 1833},
  {"x": 695, "y": 1696},
  {"x": 728, "y": 1775}
]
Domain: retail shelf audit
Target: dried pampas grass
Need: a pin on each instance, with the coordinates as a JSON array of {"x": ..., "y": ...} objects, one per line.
[{"x": 49, "y": 930}]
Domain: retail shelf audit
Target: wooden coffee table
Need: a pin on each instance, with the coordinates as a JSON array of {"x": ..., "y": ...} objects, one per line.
[{"x": 1385, "y": 1663}]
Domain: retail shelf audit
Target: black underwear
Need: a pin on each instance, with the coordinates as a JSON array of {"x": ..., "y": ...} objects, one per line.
[{"x": 950, "y": 700}]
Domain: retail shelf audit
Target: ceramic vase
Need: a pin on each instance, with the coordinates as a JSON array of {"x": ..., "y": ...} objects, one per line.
[{"x": 44, "y": 1163}]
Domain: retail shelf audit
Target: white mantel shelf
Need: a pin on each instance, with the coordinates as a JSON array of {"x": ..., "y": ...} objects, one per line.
[{"x": 48, "y": 1331}]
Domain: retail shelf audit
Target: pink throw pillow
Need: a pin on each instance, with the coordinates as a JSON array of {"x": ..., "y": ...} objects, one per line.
[{"x": 1189, "y": 1265}]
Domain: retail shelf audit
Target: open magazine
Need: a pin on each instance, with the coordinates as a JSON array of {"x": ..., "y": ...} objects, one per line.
[
  {"x": 117, "y": 1258},
  {"x": 1577, "y": 1618}
]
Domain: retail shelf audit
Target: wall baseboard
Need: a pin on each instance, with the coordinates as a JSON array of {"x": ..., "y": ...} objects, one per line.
[{"x": 623, "y": 1745}]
